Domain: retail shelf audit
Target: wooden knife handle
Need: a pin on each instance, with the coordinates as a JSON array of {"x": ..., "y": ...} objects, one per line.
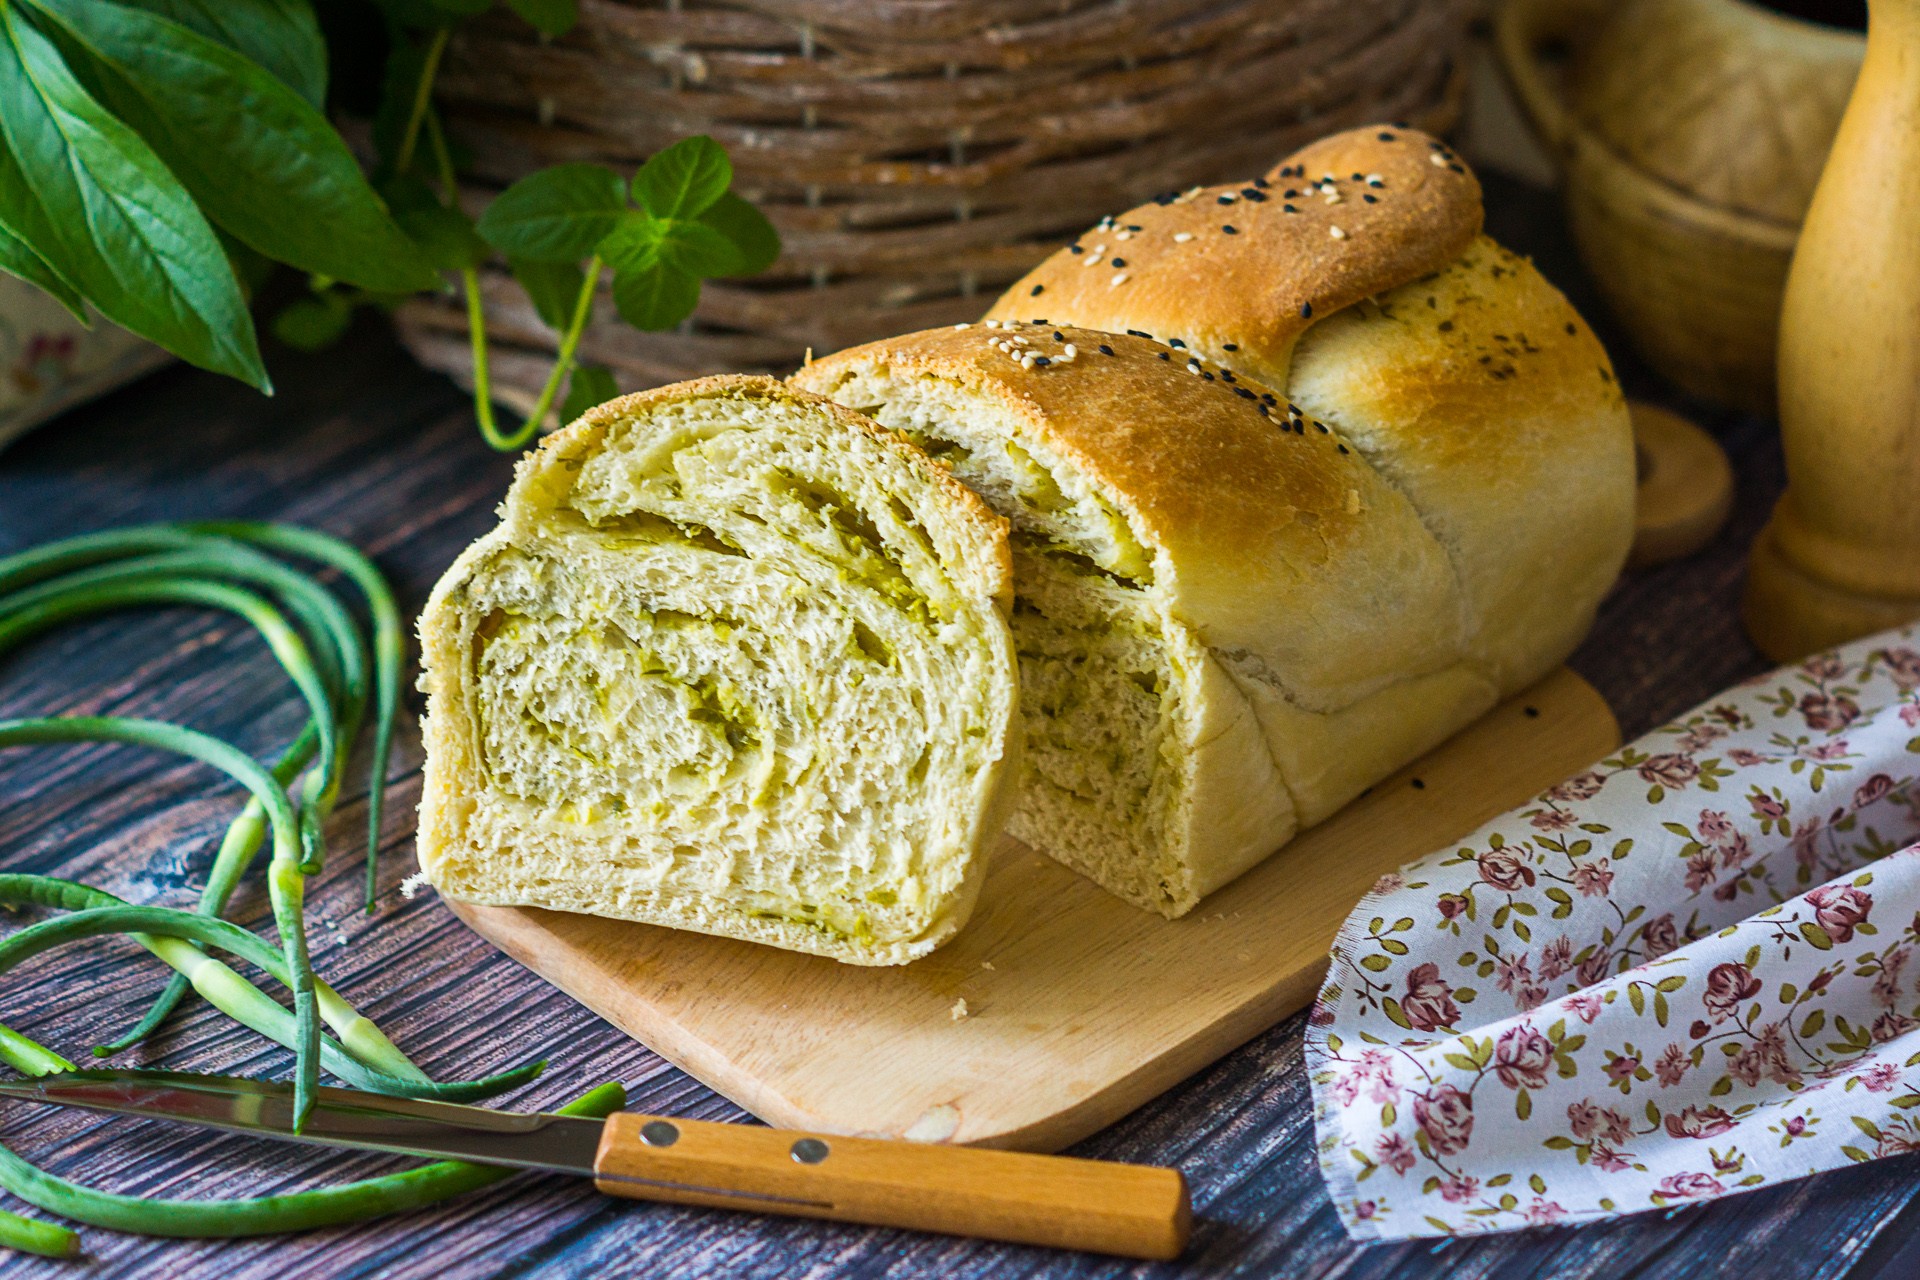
[{"x": 1137, "y": 1211}]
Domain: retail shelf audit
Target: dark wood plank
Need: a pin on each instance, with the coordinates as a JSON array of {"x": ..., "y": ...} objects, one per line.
[{"x": 362, "y": 443}]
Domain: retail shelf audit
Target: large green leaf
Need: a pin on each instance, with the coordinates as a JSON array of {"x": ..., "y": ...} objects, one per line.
[
  {"x": 17, "y": 258},
  {"x": 655, "y": 298},
  {"x": 684, "y": 180},
  {"x": 262, "y": 163},
  {"x": 100, "y": 208},
  {"x": 752, "y": 235},
  {"x": 281, "y": 35},
  {"x": 555, "y": 215}
]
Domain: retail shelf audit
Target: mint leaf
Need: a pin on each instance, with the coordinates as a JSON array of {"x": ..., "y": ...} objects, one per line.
[
  {"x": 752, "y": 235},
  {"x": 314, "y": 323},
  {"x": 591, "y": 385},
  {"x": 697, "y": 249},
  {"x": 281, "y": 35},
  {"x": 684, "y": 180},
  {"x": 656, "y": 297},
  {"x": 549, "y": 17},
  {"x": 17, "y": 258},
  {"x": 555, "y": 215},
  {"x": 262, "y": 163},
  {"x": 108, "y": 217},
  {"x": 552, "y": 287},
  {"x": 633, "y": 245}
]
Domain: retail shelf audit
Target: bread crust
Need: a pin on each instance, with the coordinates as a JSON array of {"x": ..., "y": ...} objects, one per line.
[{"x": 1262, "y": 284}]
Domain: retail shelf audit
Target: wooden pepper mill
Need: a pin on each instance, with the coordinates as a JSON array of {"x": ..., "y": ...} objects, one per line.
[{"x": 1841, "y": 557}]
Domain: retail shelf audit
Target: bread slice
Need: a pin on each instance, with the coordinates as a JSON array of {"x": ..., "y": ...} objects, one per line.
[
  {"x": 735, "y": 660},
  {"x": 1300, "y": 505}
]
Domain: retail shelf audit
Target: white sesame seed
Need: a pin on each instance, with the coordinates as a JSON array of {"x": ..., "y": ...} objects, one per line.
[
  {"x": 1026, "y": 361},
  {"x": 966, "y": 325},
  {"x": 1071, "y": 351},
  {"x": 1124, "y": 235},
  {"x": 1373, "y": 179},
  {"x": 1437, "y": 160},
  {"x": 1093, "y": 257},
  {"x": 1334, "y": 198},
  {"x": 1119, "y": 278},
  {"x": 991, "y": 324},
  {"x": 1336, "y": 233},
  {"x": 1181, "y": 237}
]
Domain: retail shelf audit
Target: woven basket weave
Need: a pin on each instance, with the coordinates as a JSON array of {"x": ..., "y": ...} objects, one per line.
[{"x": 916, "y": 155}]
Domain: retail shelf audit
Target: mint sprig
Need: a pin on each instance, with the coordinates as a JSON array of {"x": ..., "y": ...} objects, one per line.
[{"x": 156, "y": 156}]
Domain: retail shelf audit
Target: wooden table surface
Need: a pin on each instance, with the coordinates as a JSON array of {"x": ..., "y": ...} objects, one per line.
[{"x": 361, "y": 442}]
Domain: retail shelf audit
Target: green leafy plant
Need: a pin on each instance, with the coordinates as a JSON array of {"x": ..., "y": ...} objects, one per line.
[{"x": 157, "y": 156}]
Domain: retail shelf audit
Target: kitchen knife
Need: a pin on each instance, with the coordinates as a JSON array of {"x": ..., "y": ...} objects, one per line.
[{"x": 1131, "y": 1210}]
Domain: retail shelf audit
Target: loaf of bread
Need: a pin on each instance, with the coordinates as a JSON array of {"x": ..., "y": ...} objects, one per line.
[
  {"x": 1304, "y": 475},
  {"x": 735, "y": 660}
]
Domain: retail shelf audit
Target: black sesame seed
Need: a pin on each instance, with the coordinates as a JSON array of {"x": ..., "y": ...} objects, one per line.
[
  {"x": 1166, "y": 355},
  {"x": 1291, "y": 192},
  {"x": 1229, "y": 229},
  {"x": 1036, "y": 291},
  {"x": 1384, "y": 136},
  {"x": 1119, "y": 262},
  {"x": 1533, "y": 713},
  {"x": 1245, "y": 394},
  {"x": 1230, "y": 346},
  {"x": 1227, "y": 374},
  {"x": 1059, "y": 336},
  {"x": 1206, "y": 375},
  {"x": 1262, "y": 183},
  {"x": 1371, "y": 199},
  {"x": 1289, "y": 208},
  {"x": 1446, "y": 326},
  {"x": 1038, "y": 320},
  {"x": 1306, "y": 310},
  {"x": 1418, "y": 785},
  {"x": 1323, "y": 428},
  {"x": 1269, "y": 398},
  {"x": 1256, "y": 196},
  {"x": 1042, "y": 361},
  {"x": 1074, "y": 248},
  {"x": 1177, "y": 344},
  {"x": 1572, "y": 327},
  {"x": 1223, "y": 199},
  {"x": 1344, "y": 449},
  {"x": 1140, "y": 333},
  {"x": 1457, "y": 168},
  {"x": 1359, "y": 177},
  {"x": 1133, "y": 227},
  {"x": 1105, "y": 350}
]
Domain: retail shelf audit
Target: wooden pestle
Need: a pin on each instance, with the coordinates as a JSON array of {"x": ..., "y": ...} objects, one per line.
[{"x": 1841, "y": 556}]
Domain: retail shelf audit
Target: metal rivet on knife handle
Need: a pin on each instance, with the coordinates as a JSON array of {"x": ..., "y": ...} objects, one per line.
[
  {"x": 1131, "y": 1210},
  {"x": 659, "y": 1133}
]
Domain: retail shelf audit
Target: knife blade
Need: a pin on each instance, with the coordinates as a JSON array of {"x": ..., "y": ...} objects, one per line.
[{"x": 1129, "y": 1210}]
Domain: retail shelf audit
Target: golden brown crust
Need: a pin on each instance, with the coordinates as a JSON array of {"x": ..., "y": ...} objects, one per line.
[
  {"x": 1274, "y": 535},
  {"x": 1370, "y": 209}
]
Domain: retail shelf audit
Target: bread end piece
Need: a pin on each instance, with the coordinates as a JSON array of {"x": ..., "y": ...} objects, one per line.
[{"x": 736, "y": 660}]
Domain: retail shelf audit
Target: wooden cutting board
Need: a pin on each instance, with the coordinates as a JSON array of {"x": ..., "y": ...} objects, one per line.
[{"x": 1078, "y": 1007}]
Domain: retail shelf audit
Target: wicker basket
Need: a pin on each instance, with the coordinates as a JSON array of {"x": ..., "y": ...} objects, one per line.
[
  {"x": 1689, "y": 135},
  {"x": 917, "y": 155}
]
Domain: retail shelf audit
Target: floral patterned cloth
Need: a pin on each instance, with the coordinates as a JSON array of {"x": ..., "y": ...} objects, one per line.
[{"x": 1684, "y": 973}]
